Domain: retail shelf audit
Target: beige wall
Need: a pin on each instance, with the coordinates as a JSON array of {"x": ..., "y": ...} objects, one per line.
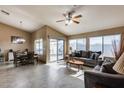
[
  {"x": 54, "y": 34},
  {"x": 5, "y": 38},
  {"x": 46, "y": 33},
  {"x": 100, "y": 32},
  {"x": 118, "y": 30},
  {"x": 41, "y": 33}
]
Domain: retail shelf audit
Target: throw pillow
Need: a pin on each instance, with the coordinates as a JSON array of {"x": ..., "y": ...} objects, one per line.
[
  {"x": 99, "y": 52},
  {"x": 76, "y": 54},
  {"x": 97, "y": 68},
  {"x": 108, "y": 68},
  {"x": 92, "y": 56},
  {"x": 80, "y": 53},
  {"x": 96, "y": 56},
  {"x": 107, "y": 60}
]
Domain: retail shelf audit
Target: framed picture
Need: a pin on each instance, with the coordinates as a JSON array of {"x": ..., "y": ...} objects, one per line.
[{"x": 17, "y": 40}]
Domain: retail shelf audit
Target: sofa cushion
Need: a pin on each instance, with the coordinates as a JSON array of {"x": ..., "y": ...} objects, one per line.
[
  {"x": 99, "y": 52},
  {"x": 85, "y": 59},
  {"x": 97, "y": 68},
  {"x": 108, "y": 68},
  {"x": 77, "y": 54},
  {"x": 84, "y": 54},
  {"x": 89, "y": 54},
  {"x": 107, "y": 61},
  {"x": 80, "y": 53},
  {"x": 88, "y": 61},
  {"x": 95, "y": 55},
  {"x": 92, "y": 56}
]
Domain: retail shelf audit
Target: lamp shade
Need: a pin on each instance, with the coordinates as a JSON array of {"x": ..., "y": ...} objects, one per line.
[{"x": 119, "y": 65}]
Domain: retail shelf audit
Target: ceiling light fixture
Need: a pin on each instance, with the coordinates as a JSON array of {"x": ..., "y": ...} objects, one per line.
[
  {"x": 20, "y": 22},
  {"x": 68, "y": 22},
  {"x": 69, "y": 17}
]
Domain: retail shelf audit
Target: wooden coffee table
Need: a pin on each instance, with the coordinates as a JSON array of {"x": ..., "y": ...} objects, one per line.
[{"x": 75, "y": 62}]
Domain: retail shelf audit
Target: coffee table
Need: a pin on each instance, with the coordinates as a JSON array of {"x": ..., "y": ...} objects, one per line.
[{"x": 75, "y": 62}]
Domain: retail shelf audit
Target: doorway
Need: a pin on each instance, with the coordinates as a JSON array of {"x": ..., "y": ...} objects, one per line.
[{"x": 56, "y": 49}]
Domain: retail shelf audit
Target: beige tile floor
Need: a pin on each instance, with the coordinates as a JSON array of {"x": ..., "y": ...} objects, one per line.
[{"x": 52, "y": 75}]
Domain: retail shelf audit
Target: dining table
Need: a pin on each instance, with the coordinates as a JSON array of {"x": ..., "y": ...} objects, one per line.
[{"x": 25, "y": 58}]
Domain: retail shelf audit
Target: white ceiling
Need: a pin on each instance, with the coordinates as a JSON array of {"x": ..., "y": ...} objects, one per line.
[{"x": 34, "y": 17}]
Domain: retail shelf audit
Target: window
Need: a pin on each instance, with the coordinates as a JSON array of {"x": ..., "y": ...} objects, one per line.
[
  {"x": 108, "y": 49},
  {"x": 104, "y": 44},
  {"x": 77, "y": 44},
  {"x": 96, "y": 43},
  {"x": 72, "y": 44},
  {"x": 38, "y": 46},
  {"x": 81, "y": 44}
]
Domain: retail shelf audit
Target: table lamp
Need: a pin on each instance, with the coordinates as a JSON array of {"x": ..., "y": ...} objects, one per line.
[{"x": 119, "y": 65}]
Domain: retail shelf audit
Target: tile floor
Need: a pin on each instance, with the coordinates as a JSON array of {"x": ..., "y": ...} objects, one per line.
[{"x": 52, "y": 75}]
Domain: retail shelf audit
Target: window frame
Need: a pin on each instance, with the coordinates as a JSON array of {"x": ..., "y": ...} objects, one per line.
[
  {"x": 111, "y": 41},
  {"x": 38, "y": 42},
  {"x": 103, "y": 43},
  {"x": 76, "y": 42}
]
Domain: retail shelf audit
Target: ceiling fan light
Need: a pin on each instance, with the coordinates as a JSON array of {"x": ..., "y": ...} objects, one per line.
[
  {"x": 71, "y": 22},
  {"x": 68, "y": 22}
]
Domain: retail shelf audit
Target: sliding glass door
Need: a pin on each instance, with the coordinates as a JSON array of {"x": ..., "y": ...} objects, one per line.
[
  {"x": 53, "y": 49},
  {"x": 56, "y": 49},
  {"x": 60, "y": 49}
]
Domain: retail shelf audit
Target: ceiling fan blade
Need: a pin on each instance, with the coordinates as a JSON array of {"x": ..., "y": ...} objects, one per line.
[
  {"x": 60, "y": 20},
  {"x": 78, "y": 16},
  {"x": 76, "y": 22}
]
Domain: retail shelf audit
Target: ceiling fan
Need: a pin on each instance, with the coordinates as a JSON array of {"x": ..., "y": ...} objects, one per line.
[{"x": 70, "y": 18}]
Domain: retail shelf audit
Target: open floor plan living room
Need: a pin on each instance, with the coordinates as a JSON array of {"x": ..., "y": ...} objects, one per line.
[{"x": 61, "y": 46}]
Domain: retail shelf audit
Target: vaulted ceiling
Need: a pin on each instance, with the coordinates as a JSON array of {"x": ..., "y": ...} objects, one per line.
[{"x": 33, "y": 17}]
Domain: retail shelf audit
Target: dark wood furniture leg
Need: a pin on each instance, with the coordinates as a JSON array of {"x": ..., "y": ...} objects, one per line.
[{"x": 67, "y": 64}]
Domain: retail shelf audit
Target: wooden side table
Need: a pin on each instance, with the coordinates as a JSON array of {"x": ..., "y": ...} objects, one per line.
[{"x": 75, "y": 62}]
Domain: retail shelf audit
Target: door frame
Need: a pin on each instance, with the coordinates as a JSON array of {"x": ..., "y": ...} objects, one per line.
[
  {"x": 63, "y": 49},
  {"x": 57, "y": 49}
]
